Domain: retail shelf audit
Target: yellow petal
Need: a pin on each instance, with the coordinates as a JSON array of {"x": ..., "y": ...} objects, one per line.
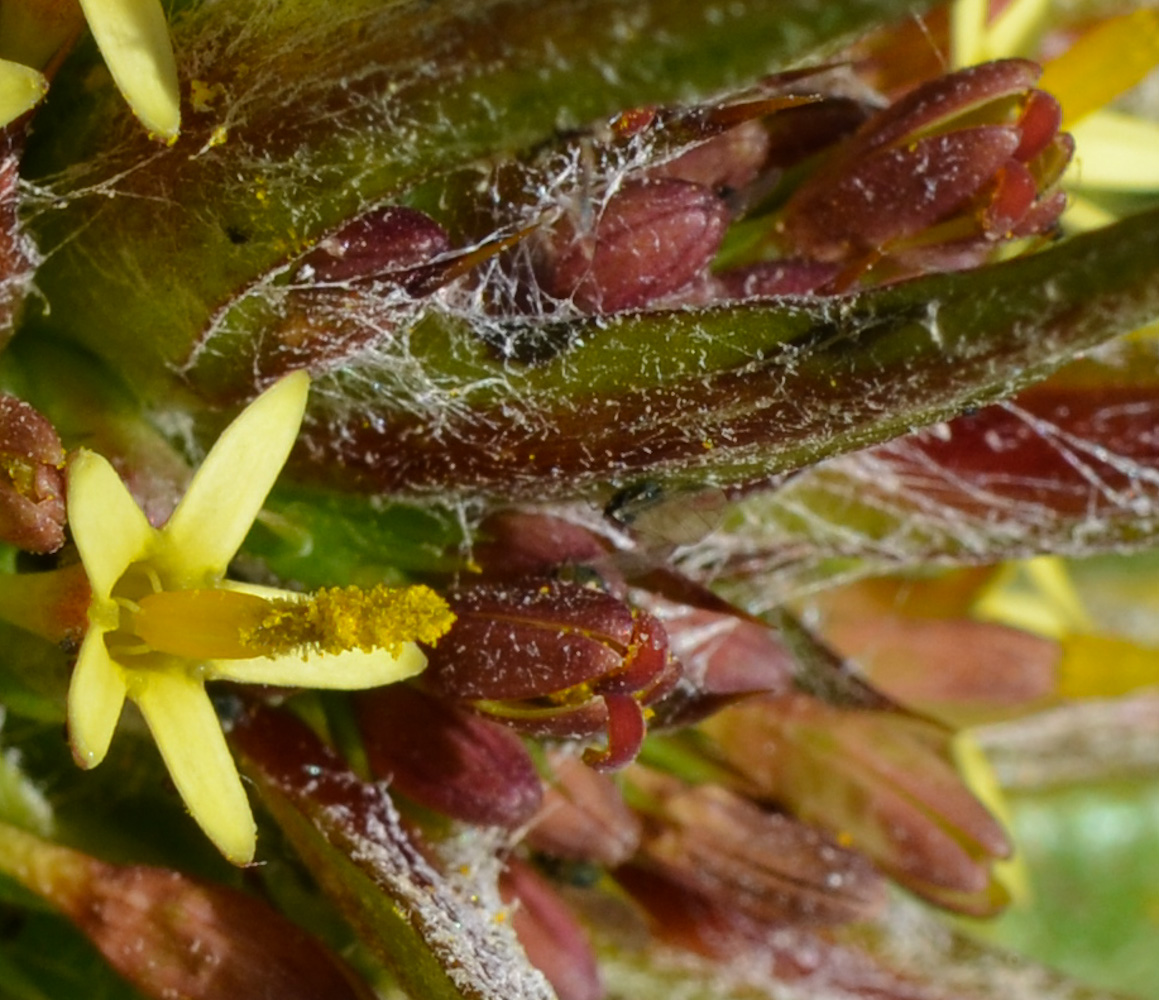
[
  {"x": 352, "y": 670},
  {"x": 189, "y": 736},
  {"x": 978, "y": 773},
  {"x": 1115, "y": 152},
  {"x": 96, "y": 695},
  {"x": 20, "y": 90},
  {"x": 134, "y": 39},
  {"x": 968, "y": 32},
  {"x": 1082, "y": 215},
  {"x": 1036, "y": 595},
  {"x": 261, "y": 590},
  {"x": 1105, "y": 62},
  {"x": 109, "y": 529},
  {"x": 212, "y": 520},
  {"x": 1018, "y": 29},
  {"x": 1103, "y": 666}
]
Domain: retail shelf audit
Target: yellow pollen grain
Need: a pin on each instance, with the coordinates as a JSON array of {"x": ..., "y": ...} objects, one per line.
[
  {"x": 203, "y": 95},
  {"x": 577, "y": 694},
  {"x": 338, "y": 619}
]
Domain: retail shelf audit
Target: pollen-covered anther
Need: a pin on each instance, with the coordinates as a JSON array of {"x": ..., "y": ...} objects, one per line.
[{"x": 337, "y": 619}]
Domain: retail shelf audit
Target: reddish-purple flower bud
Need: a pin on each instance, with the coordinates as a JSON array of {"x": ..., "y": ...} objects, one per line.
[
  {"x": 554, "y": 658},
  {"x": 798, "y": 133},
  {"x": 883, "y": 779},
  {"x": 895, "y": 192},
  {"x": 551, "y": 936},
  {"x": 723, "y": 657},
  {"x": 172, "y": 936},
  {"x": 447, "y": 759},
  {"x": 782, "y": 953},
  {"x": 515, "y": 543},
  {"x": 933, "y": 181},
  {"x": 334, "y": 308},
  {"x": 651, "y": 240},
  {"x": 31, "y": 479},
  {"x": 981, "y": 667},
  {"x": 935, "y": 105},
  {"x": 583, "y": 817},
  {"x": 770, "y": 866},
  {"x": 389, "y": 243},
  {"x": 789, "y": 276}
]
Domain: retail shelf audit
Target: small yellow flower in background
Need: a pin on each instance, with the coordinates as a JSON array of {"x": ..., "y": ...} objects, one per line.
[
  {"x": 1039, "y": 595},
  {"x": 163, "y": 620},
  {"x": 133, "y": 38}
]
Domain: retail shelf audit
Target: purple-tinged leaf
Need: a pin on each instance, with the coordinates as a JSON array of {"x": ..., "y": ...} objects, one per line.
[
  {"x": 551, "y": 935},
  {"x": 438, "y": 932},
  {"x": 300, "y": 130},
  {"x": 735, "y": 394},
  {"x": 1070, "y": 466}
]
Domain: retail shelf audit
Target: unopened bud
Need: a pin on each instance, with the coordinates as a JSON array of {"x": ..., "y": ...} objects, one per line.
[
  {"x": 172, "y": 936},
  {"x": 935, "y": 180},
  {"x": 652, "y": 239},
  {"x": 383, "y": 243},
  {"x": 768, "y": 865},
  {"x": 884, "y": 780},
  {"x": 725, "y": 163},
  {"x": 583, "y": 817},
  {"x": 447, "y": 759}
]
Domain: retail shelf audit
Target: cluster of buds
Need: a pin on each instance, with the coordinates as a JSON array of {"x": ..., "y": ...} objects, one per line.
[
  {"x": 798, "y": 811},
  {"x": 783, "y": 813},
  {"x": 932, "y": 183}
]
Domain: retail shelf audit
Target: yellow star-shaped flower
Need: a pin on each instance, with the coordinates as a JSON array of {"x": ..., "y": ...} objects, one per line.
[
  {"x": 133, "y": 38},
  {"x": 163, "y": 620}
]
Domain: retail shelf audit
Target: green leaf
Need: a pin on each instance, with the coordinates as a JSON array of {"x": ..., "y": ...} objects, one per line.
[{"x": 320, "y": 538}]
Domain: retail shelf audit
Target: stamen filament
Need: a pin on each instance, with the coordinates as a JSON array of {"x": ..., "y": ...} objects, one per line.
[
  {"x": 222, "y": 624},
  {"x": 200, "y": 624}
]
